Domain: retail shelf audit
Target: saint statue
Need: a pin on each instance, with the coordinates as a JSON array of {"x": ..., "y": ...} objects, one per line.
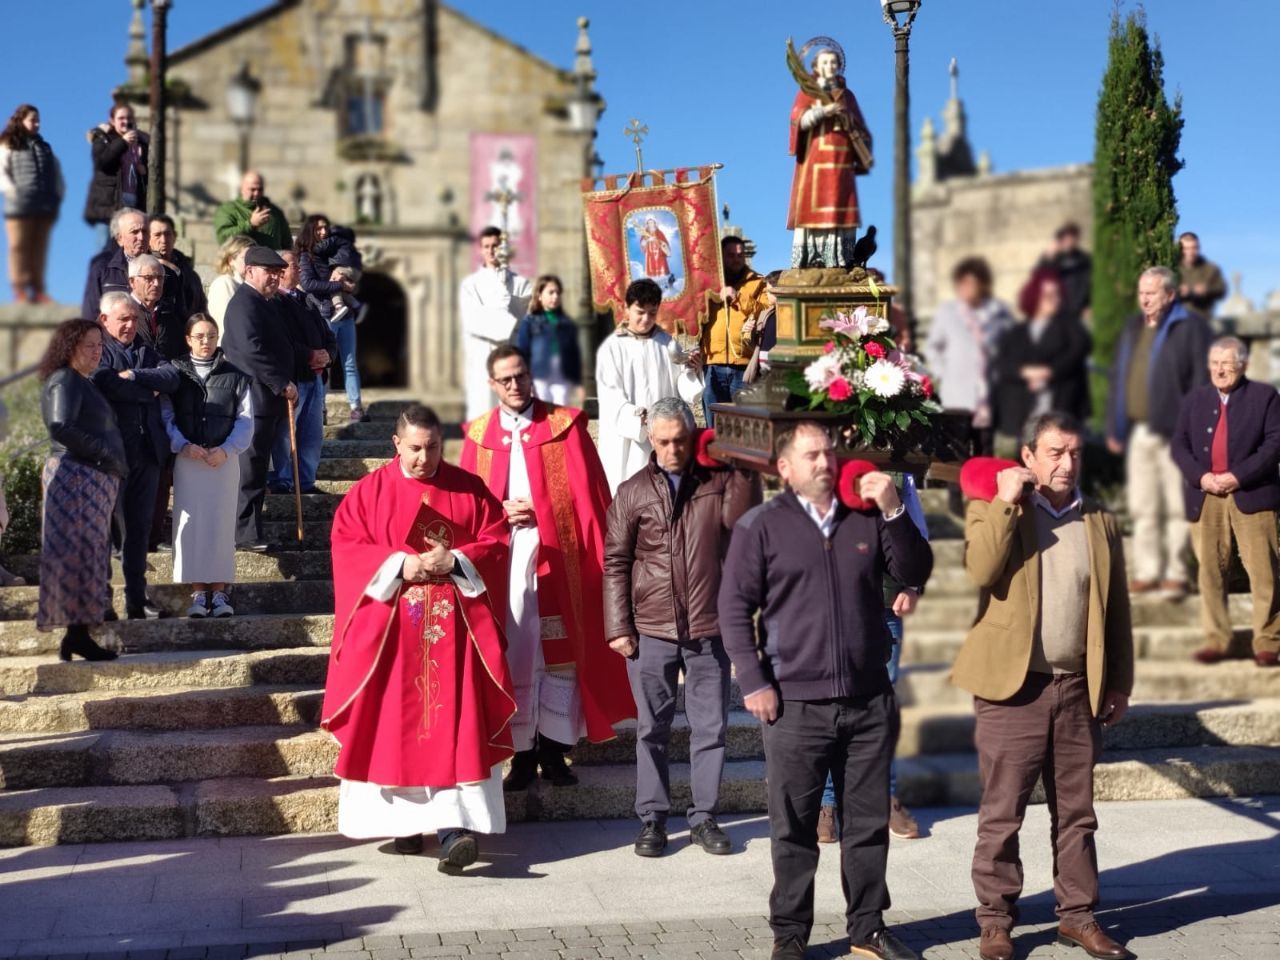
[{"x": 832, "y": 145}]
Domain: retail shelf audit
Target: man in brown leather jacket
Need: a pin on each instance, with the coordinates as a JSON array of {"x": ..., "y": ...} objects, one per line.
[{"x": 668, "y": 531}]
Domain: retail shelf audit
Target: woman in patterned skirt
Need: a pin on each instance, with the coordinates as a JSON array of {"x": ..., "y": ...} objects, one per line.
[{"x": 81, "y": 479}]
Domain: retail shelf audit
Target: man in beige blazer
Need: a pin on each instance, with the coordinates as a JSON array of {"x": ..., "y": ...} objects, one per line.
[{"x": 1049, "y": 661}]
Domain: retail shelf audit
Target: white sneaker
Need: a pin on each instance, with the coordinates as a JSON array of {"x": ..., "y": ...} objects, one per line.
[
  {"x": 340, "y": 313},
  {"x": 198, "y": 609},
  {"x": 221, "y": 606}
]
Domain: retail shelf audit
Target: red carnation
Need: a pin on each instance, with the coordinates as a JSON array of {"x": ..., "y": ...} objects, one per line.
[
  {"x": 874, "y": 350},
  {"x": 927, "y": 386},
  {"x": 839, "y": 389},
  {"x": 828, "y": 346}
]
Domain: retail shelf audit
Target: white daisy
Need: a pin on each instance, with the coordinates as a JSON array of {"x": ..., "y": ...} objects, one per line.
[{"x": 885, "y": 379}]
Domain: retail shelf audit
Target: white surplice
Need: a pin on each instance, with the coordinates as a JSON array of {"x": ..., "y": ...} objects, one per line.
[
  {"x": 546, "y": 702},
  {"x": 632, "y": 373},
  {"x": 491, "y": 301},
  {"x": 370, "y": 810}
]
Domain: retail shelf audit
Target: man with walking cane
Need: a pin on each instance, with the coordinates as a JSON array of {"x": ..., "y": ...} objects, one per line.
[{"x": 256, "y": 340}]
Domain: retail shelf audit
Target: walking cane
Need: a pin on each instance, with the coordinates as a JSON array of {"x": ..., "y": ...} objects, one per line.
[{"x": 293, "y": 455}]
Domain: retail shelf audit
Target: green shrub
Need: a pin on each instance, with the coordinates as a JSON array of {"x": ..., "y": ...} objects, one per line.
[{"x": 22, "y": 493}]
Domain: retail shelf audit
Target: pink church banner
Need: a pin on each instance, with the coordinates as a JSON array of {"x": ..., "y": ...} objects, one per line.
[{"x": 504, "y": 165}]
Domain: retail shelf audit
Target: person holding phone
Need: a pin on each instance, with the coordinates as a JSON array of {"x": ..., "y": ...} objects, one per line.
[
  {"x": 119, "y": 151},
  {"x": 1050, "y": 664}
]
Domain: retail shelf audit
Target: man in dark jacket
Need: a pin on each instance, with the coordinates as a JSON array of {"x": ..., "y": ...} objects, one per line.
[
  {"x": 813, "y": 569},
  {"x": 162, "y": 238},
  {"x": 314, "y": 348},
  {"x": 255, "y": 338},
  {"x": 1202, "y": 284},
  {"x": 119, "y": 154},
  {"x": 1227, "y": 446},
  {"x": 1158, "y": 360},
  {"x": 1074, "y": 267},
  {"x": 109, "y": 270},
  {"x": 668, "y": 530},
  {"x": 131, "y": 375}
]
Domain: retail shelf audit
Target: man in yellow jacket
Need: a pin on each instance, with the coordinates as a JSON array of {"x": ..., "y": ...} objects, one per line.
[
  {"x": 731, "y": 331},
  {"x": 1050, "y": 664}
]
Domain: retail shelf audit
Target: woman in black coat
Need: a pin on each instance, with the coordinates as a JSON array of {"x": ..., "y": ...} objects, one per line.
[{"x": 1040, "y": 362}]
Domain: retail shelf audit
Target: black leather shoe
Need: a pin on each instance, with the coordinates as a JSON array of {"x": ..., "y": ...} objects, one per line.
[
  {"x": 148, "y": 611},
  {"x": 164, "y": 548},
  {"x": 551, "y": 759},
  {"x": 524, "y": 769},
  {"x": 409, "y": 846},
  {"x": 710, "y": 838},
  {"x": 883, "y": 945},
  {"x": 789, "y": 948},
  {"x": 77, "y": 642},
  {"x": 652, "y": 840},
  {"x": 255, "y": 546}
]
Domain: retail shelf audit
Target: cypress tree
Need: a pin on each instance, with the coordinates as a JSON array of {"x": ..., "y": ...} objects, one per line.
[{"x": 1135, "y": 158}]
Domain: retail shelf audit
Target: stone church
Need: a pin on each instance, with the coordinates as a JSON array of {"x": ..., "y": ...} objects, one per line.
[{"x": 407, "y": 121}]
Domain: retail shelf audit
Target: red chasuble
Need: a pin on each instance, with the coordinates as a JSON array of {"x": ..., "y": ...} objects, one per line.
[
  {"x": 418, "y": 693},
  {"x": 570, "y": 497},
  {"x": 823, "y": 193}
]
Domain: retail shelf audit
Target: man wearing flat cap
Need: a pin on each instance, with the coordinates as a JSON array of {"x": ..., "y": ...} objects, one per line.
[{"x": 256, "y": 339}]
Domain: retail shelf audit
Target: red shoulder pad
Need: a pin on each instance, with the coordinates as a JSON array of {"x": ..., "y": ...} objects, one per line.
[
  {"x": 852, "y": 471},
  {"x": 702, "y": 440},
  {"x": 978, "y": 477}
]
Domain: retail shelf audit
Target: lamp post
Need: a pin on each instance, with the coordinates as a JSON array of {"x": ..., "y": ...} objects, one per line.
[
  {"x": 158, "y": 106},
  {"x": 585, "y": 107},
  {"x": 899, "y": 15},
  {"x": 242, "y": 105}
]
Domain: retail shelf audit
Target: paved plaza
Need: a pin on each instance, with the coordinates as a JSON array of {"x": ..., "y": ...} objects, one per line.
[{"x": 1185, "y": 878}]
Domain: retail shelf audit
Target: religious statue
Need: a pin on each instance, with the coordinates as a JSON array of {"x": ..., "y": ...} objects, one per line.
[{"x": 832, "y": 145}]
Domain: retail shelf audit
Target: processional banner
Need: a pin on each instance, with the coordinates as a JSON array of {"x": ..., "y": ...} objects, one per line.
[{"x": 660, "y": 225}]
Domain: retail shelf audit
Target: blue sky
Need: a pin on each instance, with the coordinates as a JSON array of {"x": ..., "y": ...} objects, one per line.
[{"x": 710, "y": 82}]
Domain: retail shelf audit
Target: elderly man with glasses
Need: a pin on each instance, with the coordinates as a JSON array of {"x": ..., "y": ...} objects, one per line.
[
  {"x": 256, "y": 340},
  {"x": 1227, "y": 444}
]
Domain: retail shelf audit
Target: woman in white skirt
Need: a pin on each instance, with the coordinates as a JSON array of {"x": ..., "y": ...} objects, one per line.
[{"x": 209, "y": 421}]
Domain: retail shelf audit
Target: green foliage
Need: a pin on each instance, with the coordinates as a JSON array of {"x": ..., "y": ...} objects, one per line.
[
  {"x": 1135, "y": 159},
  {"x": 22, "y": 494}
]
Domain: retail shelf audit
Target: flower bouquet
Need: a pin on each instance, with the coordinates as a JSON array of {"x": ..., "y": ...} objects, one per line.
[{"x": 862, "y": 375}]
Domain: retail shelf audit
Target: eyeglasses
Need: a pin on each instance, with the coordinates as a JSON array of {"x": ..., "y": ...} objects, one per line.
[
  {"x": 203, "y": 337},
  {"x": 511, "y": 381}
]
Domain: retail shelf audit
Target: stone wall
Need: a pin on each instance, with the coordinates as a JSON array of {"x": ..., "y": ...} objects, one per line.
[
  {"x": 485, "y": 84},
  {"x": 1008, "y": 218}
]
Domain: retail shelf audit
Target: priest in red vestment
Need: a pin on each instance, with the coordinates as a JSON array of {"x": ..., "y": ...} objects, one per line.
[
  {"x": 419, "y": 695},
  {"x": 539, "y": 460},
  {"x": 824, "y": 196}
]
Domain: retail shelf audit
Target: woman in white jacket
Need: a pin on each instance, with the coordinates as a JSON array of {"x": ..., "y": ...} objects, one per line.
[{"x": 637, "y": 365}]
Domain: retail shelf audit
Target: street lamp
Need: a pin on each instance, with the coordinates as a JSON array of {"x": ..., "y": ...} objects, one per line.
[
  {"x": 158, "y": 106},
  {"x": 242, "y": 104},
  {"x": 899, "y": 15},
  {"x": 585, "y": 108}
]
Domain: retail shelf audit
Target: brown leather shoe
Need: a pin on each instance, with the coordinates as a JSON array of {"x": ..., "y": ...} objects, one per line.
[
  {"x": 827, "y": 832},
  {"x": 901, "y": 823},
  {"x": 1093, "y": 940},
  {"x": 1175, "y": 590},
  {"x": 1209, "y": 655},
  {"x": 995, "y": 944},
  {"x": 1142, "y": 586},
  {"x": 1267, "y": 658}
]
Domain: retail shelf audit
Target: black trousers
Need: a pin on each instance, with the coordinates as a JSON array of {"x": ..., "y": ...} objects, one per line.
[
  {"x": 131, "y": 528},
  {"x": 853, "y": 738},
  {"x": 254, "y": 463}
]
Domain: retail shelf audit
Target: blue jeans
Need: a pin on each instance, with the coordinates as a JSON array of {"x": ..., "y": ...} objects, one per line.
[
  {"x": 345, "y": 331},
  {"x": 309, "y": 410},
  {"x": 720, "y": 383},
  {"x": 894, "y": 623}
]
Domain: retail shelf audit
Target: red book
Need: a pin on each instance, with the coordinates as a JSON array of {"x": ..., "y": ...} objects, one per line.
[{"x": 429, "y": 527}]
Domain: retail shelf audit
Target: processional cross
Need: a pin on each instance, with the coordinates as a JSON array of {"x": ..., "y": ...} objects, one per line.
[{"x": 636, "y": 132}]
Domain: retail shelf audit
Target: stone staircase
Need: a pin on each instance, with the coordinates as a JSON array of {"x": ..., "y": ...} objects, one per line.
[{"x": 209, "y": 727}]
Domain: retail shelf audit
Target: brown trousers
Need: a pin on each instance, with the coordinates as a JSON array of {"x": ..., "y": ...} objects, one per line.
[
  {"x": 1045, "y": 730},
  {"x": 28, "y": 239},
  {"x": 1255, "y": 535}
]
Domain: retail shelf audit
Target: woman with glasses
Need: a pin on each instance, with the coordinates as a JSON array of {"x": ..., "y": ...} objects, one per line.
[{"x": 209, "y": 421}]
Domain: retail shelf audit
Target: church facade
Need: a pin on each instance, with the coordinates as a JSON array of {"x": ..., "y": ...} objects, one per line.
[{"x": 407, "y": 121}]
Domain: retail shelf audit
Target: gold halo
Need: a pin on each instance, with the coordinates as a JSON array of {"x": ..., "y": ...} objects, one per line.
[{"x": 823, "y": 43}]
